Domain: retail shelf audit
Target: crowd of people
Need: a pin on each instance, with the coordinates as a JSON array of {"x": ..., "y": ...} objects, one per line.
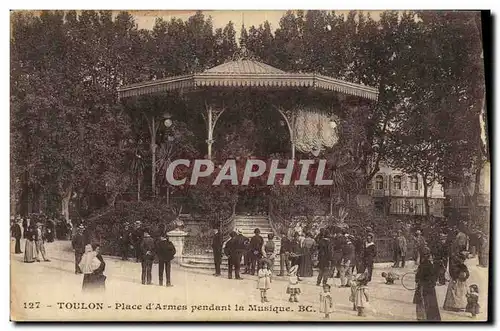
[
  {"x": 350, "y": 255},
  {"x": 333, "y": 250},
  {"x": 146, "y": 250},
  {"x": 36, "y": 234},
  {"x": 336, "y": 252}
]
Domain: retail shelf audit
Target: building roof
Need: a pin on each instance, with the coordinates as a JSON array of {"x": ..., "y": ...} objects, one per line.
[
  {"x": 244, "y": 67},
  {"x": 248, "y": 73}
]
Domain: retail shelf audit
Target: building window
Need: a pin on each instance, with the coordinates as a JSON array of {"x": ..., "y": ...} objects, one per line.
[
  {"x": 414, "y": 183},
  {"x": 379, "y": 182},
  {"x": 397, "y": 182}
]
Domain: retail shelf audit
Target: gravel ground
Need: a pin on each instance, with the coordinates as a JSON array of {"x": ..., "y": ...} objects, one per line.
[{"x": 51, "y": 291}]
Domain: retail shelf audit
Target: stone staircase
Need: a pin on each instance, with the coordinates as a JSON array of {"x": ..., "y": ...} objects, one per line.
[{"x": 247, "y": 225}]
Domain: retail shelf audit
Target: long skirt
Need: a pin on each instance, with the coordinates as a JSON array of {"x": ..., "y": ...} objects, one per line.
[
  {"x": 427, "y": 305},
  {"x": 456, "y": 296},
  {"x": 305, "y": 265},
  {"x": 93, "y": 282},
  {"x": 29, "y": 251}
]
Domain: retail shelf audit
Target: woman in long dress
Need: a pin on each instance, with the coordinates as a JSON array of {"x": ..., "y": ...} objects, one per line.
[
  {"x": 425, "y": 293},
  {"x": 306, "y": 264},
  {"x": 92, "y": 266},
  {"x": 30, "y": 249},
  {"x": 456, "y": 295}
]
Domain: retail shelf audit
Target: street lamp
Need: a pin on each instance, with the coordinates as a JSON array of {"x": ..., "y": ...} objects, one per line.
[{"x": 167, "y": 121}]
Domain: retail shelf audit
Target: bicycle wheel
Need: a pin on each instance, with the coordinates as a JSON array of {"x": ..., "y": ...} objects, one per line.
[{"x": 408, "y": 281}]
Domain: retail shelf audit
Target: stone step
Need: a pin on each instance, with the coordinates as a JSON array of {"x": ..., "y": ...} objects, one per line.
[
  {"x": 251, "y": 217},
  {"x": 253, "y": 226},
  {"x": 207, "y": 262}
]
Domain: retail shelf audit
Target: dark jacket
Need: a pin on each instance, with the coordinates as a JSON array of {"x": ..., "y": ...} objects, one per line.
[
  {"x": 102, "y": 266},
  {"x": 256, "y": 243},
  {"x": 78, "y": 243},
  {"x": 232, "y": 250},
  {"x": 285, "y": 245},
  {"x": 16, "y": 231},
  {"x": 457, "y": 268},
  {"x": 440, "y": 250},
  {"x": 126, "y": 237},
  {"x": 324, "y": 252},
  {"x": 337, "y": 244},
  {"x": 369, "y": 253},
  {"x": 240, "y": 243},
  {"x": 148, "y": 247},
  {"x": 165, "y": 250},
  {"x": 217, "y": 243},
  {"x": 295, "y": 247},
  {"x": 137, "y": 235},
  {"x": 348, "y": 255}
]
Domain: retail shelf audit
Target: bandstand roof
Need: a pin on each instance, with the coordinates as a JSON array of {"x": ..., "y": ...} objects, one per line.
[{"x": 247, "y": 73}]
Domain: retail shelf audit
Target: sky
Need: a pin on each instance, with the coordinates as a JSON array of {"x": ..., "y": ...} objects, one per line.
[{"x": 146, "y": 18}]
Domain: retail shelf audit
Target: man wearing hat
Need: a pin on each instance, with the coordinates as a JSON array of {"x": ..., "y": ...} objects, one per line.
[
  {"x": 78, "y": 244},
  {"x": 369, "y": 255},
  {"x": 400, "y": 248},
  {"x": 255, "y": 247},
  {"x": 40, "y": 243},
  {"x": 148, "y": 254},
  {"x": 419, "y": 245},
  {"x": 217, "y": 250},
  {"x": 233, "y": 254},
  {"x": 440, "y": 254},
  {"x": 137, "y": 235}
]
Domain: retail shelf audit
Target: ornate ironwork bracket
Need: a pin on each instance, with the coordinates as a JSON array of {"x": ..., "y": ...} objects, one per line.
[
  {"x": 290, "y": 118},
  {"x": 211, "y": 117}
]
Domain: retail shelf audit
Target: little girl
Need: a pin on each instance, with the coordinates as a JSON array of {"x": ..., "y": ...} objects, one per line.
[
  {"x": 473, "y": 300},
  {"x": 361, "y": 297},
  {"x": 352, "y": 297},
  {"x": 293, "y": 284},
  {"x": 325, "y": 301},
  {"x": 263, "y": 281}
]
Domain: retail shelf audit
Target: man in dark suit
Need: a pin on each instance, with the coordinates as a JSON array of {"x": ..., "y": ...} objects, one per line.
[
  {"x": 78, "y": 243},
  {"x": 17, "y": 234},
  {"x": 147, "y": 248},
  {"x": 284, "y": 254},
  {"x": 255, "y": 247},
  {"x": 369, "y": 255},
  {"x": 165, "y": 250},
  {"x": 324, "y": 257},
  {"x": 233, "y": 252},
  {"x": 217, "y": 250}
]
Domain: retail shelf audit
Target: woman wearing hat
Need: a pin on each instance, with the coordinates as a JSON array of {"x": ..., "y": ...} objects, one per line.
[
  {"x": 29, "y": 248},
  {"x": 425, "y": 292},
  {"x": 456, "y": 295}
]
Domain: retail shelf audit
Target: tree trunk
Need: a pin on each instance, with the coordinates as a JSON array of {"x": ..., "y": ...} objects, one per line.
[
  {"x": 66, "y": 197},
  {"x": 153, "y": 157},
  {"x": 138, "y": 186},
  {"x": 331, "y": 201},
  {"x": 426, "y": 198}
]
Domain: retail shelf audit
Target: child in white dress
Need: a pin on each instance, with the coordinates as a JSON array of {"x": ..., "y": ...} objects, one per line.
[
  {"x": 263, "y": 281},
  {"x": 325, "y": 301},
  {"x": 293, "y": 288}
]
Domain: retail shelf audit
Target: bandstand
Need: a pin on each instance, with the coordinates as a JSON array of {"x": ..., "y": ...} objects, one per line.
[
  {"x": 305, "y": 101},
  {"x": 247, "y": 75}
]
